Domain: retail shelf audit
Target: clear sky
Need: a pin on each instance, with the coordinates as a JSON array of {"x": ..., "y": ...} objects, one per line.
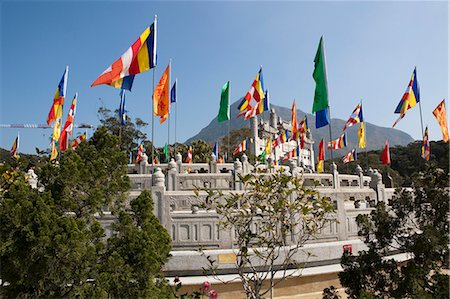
[{"x": 371, "y": 50}]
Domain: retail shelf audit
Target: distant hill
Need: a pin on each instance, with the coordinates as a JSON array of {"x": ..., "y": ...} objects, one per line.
[{"x": 376, "y": 135}]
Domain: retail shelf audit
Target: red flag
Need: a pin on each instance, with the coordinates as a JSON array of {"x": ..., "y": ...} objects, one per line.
[
  {"x": 294, "y": 121},
  {"x": 385, "y": 156},
  {"x": 140, "y": 154},
  {"x": 321, "y": 150}
]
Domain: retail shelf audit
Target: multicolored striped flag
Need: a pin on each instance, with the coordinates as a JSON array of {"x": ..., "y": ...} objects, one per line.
[
  {"x": 242, "y": 147},
  {"x": 351, "y": 156},
  {"x": 385, "y": 155},
  {"x": 78, "y": 140},
  {"x": 189, "y": 155},
  {"x": 321, "y": 156},
  {"x": 292, "y": 154},
  {"x": 280, "y": 139},
  {"x": 161, "y": 96},
  {"x": 140, "y": 153},
  {"x": 249, "y": 104},
  {"x": 338, "y": 143},
  {"x": 58, "y": 99},
  {"x": 122, "y": 111},
  {"x": 140, "y": 57},
  {"x": 426, "y": 146},
  {"x": 15, "y": 147},
  {"x": 356, "y": 117},
  {"x": 410, "y": 98},
  {"x": 441, "y": 116},
  {"x": 68, "y": 126}
]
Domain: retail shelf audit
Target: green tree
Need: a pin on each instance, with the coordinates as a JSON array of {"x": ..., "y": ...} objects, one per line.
[
  {"x": 51, "y": 242},
  {"x": 271, "y": 222},
  {"x": 416, "y": 223}
]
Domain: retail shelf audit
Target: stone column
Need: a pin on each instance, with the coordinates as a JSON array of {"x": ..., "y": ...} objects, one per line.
[
  {"x": 359, "y": 172},
  {"x": 237, "y": 169},
  {"x": 213, "y": 164},
  {"x": 244, "y": 163},
  {"x": 335, "y": 173},
  {"x": 179, "y": 161},
  {"x": 172, "y": 176},
  {"x": 161, "y": 208}
]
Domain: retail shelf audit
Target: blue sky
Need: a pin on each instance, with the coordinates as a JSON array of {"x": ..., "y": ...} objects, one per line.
[{"x": 371, "y": 50}]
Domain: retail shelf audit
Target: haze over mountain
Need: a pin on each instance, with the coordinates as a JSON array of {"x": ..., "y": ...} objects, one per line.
[{"x": 376, "y": 135}]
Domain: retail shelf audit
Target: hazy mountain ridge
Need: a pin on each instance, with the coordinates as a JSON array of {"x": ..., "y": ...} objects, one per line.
[{"x": 376, "y": 135}]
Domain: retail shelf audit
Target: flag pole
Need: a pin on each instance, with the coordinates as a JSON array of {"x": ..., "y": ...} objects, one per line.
[
  {"x": 365, "y": 139},
  {"x": 153, "y": 120},
  {"x": 329, "y": 109},
  {"x": 176, "y": 87},
  {"x": 168, "y": 116},
  {"x": 420, "y": 106}
]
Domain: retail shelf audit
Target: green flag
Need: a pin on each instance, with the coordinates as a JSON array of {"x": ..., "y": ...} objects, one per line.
[
  {"x": 262, "y": 157},
  {"x": 224, "y": 110},
  {"x": 320, "y": 76},
  {"x": 166, "y": 153}
]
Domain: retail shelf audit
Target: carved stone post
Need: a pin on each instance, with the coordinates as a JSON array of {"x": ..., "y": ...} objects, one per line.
[
  {"x": 237, "y": 169},
  {"x": 161, "y": 208},
  {"x": 335, "y": 173},
  {"x": 143, "y": 164},
  {"x": 179, "y": 161},
  {"x": 172, "y": 176},
  {"x": 359, "y": 172}
]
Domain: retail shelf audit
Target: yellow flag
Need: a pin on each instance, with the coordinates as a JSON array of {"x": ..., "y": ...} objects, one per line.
[
  {"x": 320, "y": 166},
  {"x": 362, "y": 135},
  {"x": 268, "y": 146},
  {"x": 54, "y": 152}
]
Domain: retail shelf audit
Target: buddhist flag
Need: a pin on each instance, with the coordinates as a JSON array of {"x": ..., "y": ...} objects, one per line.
[
  {"x": 242, "y": 147},
  {"x": 58, "y": 99},
  {"x": 321, "y": 156},
  {"x": 362, "y": 135},
  {"x": 426, "y": 146},
  {"x": 356, "y": 117},
  {"x": 122, "y": 111},
  {"x": 338, "y": 143},
  {"x": 140, "y": 57},
  {"x": 385, "y": 156},
  {"x": 78, "y": 140},
  {"x": 410, "y": 98},
  {"x": 351, "y": 156},
  {"x": 441, "y": 116},
  {"x": 294, "y": 121},
  {"x": 68, "y": 126},
  {"x": 189, "y": 155},
  {"x": 161, "y": 96},
  {"x": 15, "y": 147},
  {"x": 320, "y": 105},
  {"x": 54, "y": 152},
  {"x": 140, "y": 153},
  {"x": 224, "y": 110},
  {"x": 249, "y": 105}
]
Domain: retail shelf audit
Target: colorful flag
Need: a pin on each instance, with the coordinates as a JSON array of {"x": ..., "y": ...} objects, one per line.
[
  {"x": 54, "y": 152},
  {"x": 173, "y": 92},
  {"x": 140, "y": 153},
  {"x": 303, "y": 125},
  {"x": 58, "y": 99},
  {"x": 249, "y": 104},
  {"x": 78, "y": 140},
  {"x": 166, "y": 153},
  {"x": 362, "y": 135},
  {"x": 356, "y": 117},
  {"x": 161, "y": 96},
  {"x": 156, "y": 159},
  {"x": 410, "y": 98},
  {"x": 15, "y": 147},
  {"x": 281, "y": 138},
  {"x": 122, "y": 111},
  {"x": 268, "y": 148},
  {"x": 294, "y": 121},
  {"x": 292, "y": 154},
  {"x": 242, "y": 147},
  {"x": 320, "y": 106},
  {"x": 224, "y": 110},
  {"x": 189, "y": 155},
  {"x": 140, "y": 57},
  {"x": 338, "y": 143},
  {"x": 426, "y": 146},
  {"x": 321, "y": 156},
  {"x": 441, "y": 116},
  {"x": 385, "y": 156},
  {"x": 68, "y": 126},
  {"x": 351, "y": 156},
  {"x": 57, "y": 128}
]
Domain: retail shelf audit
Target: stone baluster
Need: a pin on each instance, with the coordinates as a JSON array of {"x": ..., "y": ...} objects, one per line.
[
  {"x": 334, "y": 171},
  {"x": 359, "y": 172},
  {"x": 143, "y": 164},
  {"x": 172, "y": 176},
  {"x": 179, "y": 161},
  {"x": 213, "y": 164},
  {"x": 244, "y": 163},
  {"x": 158, "y": 178},
  {"x": 237, "y": 169}
]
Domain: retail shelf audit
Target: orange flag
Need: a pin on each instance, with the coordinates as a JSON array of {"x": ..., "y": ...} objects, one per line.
[
  {"x": 441, "y": 116},
  {"x": 161, "y": 96},
  {"x": 294, "y": 121}
]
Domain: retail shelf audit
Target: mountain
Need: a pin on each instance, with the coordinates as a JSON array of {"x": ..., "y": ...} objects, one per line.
[{"x": 376, "y": 135}]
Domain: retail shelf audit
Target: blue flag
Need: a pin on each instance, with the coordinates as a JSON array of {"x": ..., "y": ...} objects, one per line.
[
  {"x": 122, "y": 112},
  {"x": 216, "y": 150},
  {"x": 173, "y": 92}
]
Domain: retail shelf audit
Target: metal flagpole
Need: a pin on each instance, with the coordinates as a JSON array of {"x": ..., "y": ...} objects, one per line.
[
  {"x": 420, "y": 106},
  {"x": 176, "y": 100},
  {"x": 329, "y": 110},
  {"x": 365, "y": 139},
  {"x": 168, "y": 116},
  {"x": 153, "y": 120}
]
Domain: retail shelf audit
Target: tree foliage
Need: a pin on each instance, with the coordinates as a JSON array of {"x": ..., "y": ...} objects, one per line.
[
  {"x": 51, "y": 242},
  {"x": 271, "y": 221},
  {"x": 417, "y": 224}
]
